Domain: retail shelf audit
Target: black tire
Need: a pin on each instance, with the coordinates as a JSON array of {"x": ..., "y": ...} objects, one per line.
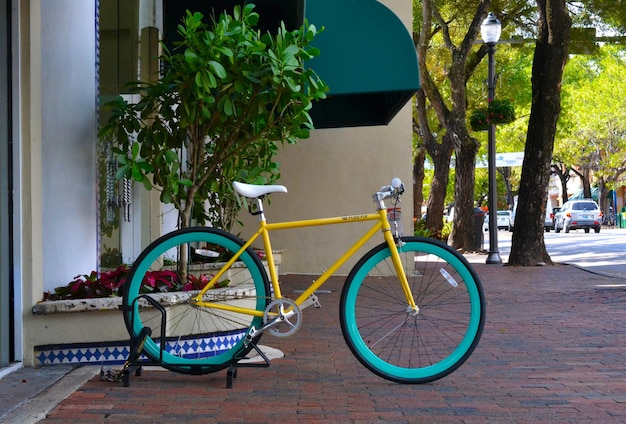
[
  {"x": 198, "y": 340},
  {"x": 396, "y": 343}
]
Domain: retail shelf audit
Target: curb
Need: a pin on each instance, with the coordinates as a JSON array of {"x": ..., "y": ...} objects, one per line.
[{"x": 36, "y": 408}]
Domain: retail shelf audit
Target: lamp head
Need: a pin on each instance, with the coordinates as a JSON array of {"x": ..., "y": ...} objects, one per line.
[{"x": 490, "y": 29}]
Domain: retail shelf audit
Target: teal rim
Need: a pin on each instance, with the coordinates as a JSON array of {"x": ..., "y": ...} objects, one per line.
[
  {"x": 443, "y": 365},
  {"x": 150, "y": 347}
]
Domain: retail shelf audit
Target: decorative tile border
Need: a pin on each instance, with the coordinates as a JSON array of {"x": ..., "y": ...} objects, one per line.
[
  {"x": 115, "y": 353},
  {"x": 108, "y": 353}
]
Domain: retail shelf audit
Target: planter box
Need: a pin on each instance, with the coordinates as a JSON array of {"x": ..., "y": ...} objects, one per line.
[{"x": 92, "y": 331}]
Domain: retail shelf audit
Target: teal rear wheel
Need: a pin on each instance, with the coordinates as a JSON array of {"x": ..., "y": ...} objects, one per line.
[{"x": 195, "y": 339}]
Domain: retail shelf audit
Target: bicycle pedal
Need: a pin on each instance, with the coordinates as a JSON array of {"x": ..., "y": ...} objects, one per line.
[
  {"x": 137, "y": 344},
  {"x": 311, "y": 301}
]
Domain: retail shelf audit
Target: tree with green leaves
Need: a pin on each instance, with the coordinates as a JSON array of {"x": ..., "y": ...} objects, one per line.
[
  {"x": 522, "y": 20},
  {"x": 595, "y": 99},
  {"x": 448, "y": 58},
  {"x": 227, "y": 97},
  {"x": 450, "y": 110},
  {"x": 551, "y": 54}
]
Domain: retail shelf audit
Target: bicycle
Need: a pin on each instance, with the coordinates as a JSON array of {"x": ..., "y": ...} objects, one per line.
[{"x": 412, "y": 309}]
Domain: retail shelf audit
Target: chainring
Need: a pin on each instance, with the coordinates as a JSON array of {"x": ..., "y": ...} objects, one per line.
[{"x": 288, "y": 315}]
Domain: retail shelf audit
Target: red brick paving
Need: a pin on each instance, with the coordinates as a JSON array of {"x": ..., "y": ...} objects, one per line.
[{"x": 553, "y": 350}]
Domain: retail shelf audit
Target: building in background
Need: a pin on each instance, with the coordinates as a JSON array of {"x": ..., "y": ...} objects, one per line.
[{"x": 62, "y": 215}]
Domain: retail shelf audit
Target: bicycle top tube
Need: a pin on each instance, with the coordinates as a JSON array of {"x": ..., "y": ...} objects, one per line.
[{"x": 255, "y": 194}]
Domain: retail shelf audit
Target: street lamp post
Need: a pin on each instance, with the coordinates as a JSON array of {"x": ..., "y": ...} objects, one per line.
[{"x": 490, "y": 33}]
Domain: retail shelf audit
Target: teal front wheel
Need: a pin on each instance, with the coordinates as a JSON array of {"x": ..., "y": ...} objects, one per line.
[
  {"x": 183, "y": 336},
  {"x": 399, "y": 343}
]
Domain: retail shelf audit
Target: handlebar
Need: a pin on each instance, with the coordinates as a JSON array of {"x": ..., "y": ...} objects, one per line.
[{"x": 395, "y": 189}]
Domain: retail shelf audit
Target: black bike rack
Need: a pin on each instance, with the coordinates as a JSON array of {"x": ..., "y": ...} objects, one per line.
[
  {"x": 231, "y": 374},
  {"x": 135, "y": 364}
]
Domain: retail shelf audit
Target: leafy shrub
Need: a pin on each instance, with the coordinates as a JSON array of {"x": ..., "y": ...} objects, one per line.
[{"x": 420, "y": 230}]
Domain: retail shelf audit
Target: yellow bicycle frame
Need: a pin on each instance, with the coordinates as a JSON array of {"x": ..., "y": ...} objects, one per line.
[{"x": 263, "y": 231}]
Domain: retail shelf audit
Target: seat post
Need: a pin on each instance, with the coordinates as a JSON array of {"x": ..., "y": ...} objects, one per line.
[{"x": 255, "y": 207}]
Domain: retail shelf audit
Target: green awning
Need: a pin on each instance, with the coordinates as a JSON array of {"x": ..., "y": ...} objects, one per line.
[
  {"x": 368, "y": 60},
  {"x": 581, "y": 194},
  {"x": 367, "y": 55}
]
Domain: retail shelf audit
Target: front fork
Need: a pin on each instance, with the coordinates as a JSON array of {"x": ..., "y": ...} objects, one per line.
[{"x": 395, "y": 246}]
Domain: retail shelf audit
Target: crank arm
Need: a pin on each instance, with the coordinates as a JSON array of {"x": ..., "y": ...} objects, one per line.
[{"x": 256, "y": 332}]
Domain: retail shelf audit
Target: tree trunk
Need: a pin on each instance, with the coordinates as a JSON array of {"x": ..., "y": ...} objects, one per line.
[
  {"x": 602, "y": 192},
  {"x": 466, "y": 147},
  {"x": 462, "y": 235},
  {"x": 184, "y": 218},
  {"x": 584, "y": 177},
  {"x": 452, "y": 121},
  {"x": 440, "y": 154},
  {"x": 587, "y": 183},
  {"x": 563, "y": 172},
  {"x": 528, "y": 247},
  {"x": 505, "y": 172},
  {"x": 418, "y": 182}
]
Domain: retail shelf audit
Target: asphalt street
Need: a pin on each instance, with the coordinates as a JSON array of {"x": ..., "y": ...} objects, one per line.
[{"x": 604, "y": 252}]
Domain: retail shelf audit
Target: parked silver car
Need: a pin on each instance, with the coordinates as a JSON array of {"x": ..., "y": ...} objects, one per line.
[{"x": 575, "y": 214}]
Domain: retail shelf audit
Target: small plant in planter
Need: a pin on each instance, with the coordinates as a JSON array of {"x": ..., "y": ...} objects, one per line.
[
  {"x": 200, "y": 282},
  {"x": 227, "y": 97},
  {"x": 90, "y": 286},
  {"x": 110, "y": 284}
]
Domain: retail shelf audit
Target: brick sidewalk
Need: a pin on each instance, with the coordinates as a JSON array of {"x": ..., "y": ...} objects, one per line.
[{"x": 553, "y": 350}]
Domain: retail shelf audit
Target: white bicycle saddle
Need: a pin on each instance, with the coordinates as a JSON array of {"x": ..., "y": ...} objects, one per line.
[{"x": 254, "y": 191}]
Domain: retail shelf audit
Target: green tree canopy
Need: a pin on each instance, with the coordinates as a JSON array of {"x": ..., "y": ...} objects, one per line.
[{"x": 594, "y": 105}]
